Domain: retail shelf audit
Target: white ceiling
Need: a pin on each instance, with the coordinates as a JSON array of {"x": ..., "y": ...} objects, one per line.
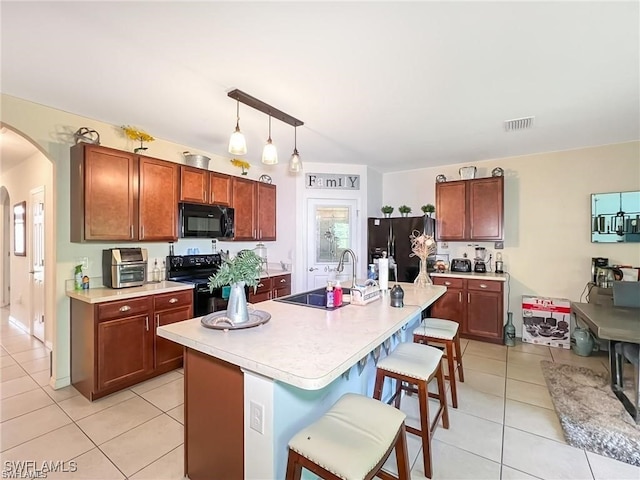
[{"x": 395, "y": 85}]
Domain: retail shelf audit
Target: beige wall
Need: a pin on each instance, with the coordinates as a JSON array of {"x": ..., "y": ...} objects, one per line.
[
  {"x": 52, "y": 130},
  {"x": 33, "y": 172},
  {"x": 548, "y": 246}
]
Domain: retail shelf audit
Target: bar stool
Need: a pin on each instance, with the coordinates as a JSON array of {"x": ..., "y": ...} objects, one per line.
[
  {"x": 444, "y": 331},
  {"x": 416, "y": 365},
  {"x": 351, "y": 441}
]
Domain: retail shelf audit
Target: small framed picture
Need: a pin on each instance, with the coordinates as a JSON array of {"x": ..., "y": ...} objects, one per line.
[{"x": 20, "y": 229}]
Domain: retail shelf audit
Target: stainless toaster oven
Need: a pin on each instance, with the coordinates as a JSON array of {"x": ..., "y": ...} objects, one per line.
[{"x": 124, "y": 267}]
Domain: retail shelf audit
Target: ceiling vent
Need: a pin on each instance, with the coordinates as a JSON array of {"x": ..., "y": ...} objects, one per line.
[{"x": 518, "y": 124}]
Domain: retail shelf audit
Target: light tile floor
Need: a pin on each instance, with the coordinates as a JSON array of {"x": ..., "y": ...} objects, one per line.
[{"x": 505, "y": 426}]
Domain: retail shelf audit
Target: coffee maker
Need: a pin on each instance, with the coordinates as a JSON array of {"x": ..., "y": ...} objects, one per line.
[
  {"x": 596, "y": 264},
  {"x": 480, "y": 265}
]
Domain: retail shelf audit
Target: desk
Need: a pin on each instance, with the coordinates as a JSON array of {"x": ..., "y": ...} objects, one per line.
[{"x": 615, "y": 324}]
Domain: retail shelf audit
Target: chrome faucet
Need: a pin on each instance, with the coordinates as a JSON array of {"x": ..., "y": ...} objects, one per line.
[{"x": 340, "y": 266}]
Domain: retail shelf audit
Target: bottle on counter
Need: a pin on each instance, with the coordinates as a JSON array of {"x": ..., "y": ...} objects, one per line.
[
  {"x": 155, "y": 273},
  {"x": 330, "y": 295},
  {"x": 337, "y": 295},
  {"x": 77, "y": 278}
]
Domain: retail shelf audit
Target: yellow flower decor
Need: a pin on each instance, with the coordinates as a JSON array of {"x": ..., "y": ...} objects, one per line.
[
  {"x": 139, "y": 135},
  {"x": 236, "y": 162}
]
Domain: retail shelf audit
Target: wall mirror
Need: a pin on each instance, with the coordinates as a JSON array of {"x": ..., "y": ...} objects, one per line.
[
  {"x": 19, "y": 229},
  {"x": 615, "y": 217}
]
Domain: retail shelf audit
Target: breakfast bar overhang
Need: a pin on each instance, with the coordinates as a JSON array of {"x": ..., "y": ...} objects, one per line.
[{"x": 247, "y": 392}]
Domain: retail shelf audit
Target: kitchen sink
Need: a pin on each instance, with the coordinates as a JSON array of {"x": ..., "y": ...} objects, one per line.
[{"x": 313, "y": 298}]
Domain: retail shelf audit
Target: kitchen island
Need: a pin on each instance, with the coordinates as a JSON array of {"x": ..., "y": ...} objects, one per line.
[{"x": 247, "y": 392}]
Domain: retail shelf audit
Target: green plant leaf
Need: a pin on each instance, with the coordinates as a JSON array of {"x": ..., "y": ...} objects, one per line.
[{"x": 241, "y": 268}]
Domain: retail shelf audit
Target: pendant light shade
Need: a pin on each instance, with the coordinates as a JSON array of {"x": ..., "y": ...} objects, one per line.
[
  {"x": 295, "y": 164},
  {"x": 269, "y": 153},
  {"x": 237, "y": 142}
]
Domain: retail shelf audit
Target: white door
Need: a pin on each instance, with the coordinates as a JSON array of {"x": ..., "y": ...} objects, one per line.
[
  {"x": 37, "y": 263},
  {"x": 332, "y": 229}
]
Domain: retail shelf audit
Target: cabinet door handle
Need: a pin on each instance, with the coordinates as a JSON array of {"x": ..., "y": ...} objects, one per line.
[
  {"x": 146, "y": 322},
  {"x": 483, "y": 285},
  {"x": 254, "y": 234},
  {"x": 210, "y": 197},
  {"x": 173, "y": 300},
  {"x": 282, "y": 280},
  {"x": 459, "y": 297},
  {"x": 130, "y": 231},
  {"x": 125, "y": 308},
  {"x": 468, "y": 298},
  {"x": 447, "y": 283},
  {"x": 260, "y": 233},
  {"x": 260, "y": 285},
  {"x": 157, "y": 319}
]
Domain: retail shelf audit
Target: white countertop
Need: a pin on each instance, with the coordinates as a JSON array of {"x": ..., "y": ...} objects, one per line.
[
  {"x": 105, "y": 294},
  {"x": 500, "y": 277},
  {"x": 303, "y": 346}
]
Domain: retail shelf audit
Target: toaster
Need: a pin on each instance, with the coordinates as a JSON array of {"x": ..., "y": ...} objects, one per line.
[{"x": 460, "y": 265}]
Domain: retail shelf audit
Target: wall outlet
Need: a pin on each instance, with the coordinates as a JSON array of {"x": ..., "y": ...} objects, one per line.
[
  {"x": 444, "y": 245},
  {"x": 498, "y": 245},
  {"x": 256, "y": 414},
  {"x": 85, "y": 263}
]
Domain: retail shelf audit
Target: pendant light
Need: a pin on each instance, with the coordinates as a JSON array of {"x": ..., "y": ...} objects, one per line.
[
  {"x": 295, "y": 165},
  {"x": 237, "y": 142},
  {"x": 269, "y": 153}
]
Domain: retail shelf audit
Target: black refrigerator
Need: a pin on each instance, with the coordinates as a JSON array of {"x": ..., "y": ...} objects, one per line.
[{"x": 392, "y": 236}]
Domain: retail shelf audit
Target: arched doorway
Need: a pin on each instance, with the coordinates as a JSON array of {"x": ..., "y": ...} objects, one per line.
[{"x": 26, "y": 178}]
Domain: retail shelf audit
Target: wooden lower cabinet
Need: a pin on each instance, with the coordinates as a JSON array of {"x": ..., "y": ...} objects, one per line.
[
  {"x": 170, "y": 308},
  {"x": 114, "y": 344},
  {"x": 270, "y": 288},
  {"x": 214, "y": 418},
  {"x": 125, "y": 351},
  {"x": 477, "y": 305}
]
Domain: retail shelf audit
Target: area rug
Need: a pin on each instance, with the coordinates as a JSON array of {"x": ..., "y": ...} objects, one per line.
[{"x": 591, "y": 415}]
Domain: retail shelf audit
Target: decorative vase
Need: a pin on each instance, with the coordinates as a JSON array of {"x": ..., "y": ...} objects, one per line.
[
  {"x": 423, "y": 280},
  {"x": 237, "y": 310},
  {"x": 387, "y": 215},
  {"x": 509, "y": 331},
  {"x": 404, "y": 214}
]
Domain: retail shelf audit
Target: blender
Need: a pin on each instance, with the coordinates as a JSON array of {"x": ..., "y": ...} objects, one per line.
[{"x": 479, "y": 265}]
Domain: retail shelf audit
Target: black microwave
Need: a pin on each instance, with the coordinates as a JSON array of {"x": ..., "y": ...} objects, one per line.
[{"x": 206, "y": 221}]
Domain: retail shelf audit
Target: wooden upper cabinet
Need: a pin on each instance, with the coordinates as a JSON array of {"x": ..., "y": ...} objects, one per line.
[
  {"x": 220, "y": 189},
  {"x": 450, "y": 210},
  {"x": 470, "y": 209},
  {"x": 202, "y": 186},
  {"x": 266, "y": 211},
  {"x": 103, "y": 194},
  {"x": 158, "y": 200},
  {"x": 119, "y": 196},
  {"x": 245, "y": 206},
  {"x": 193, "y": 184},
  {"x": 486, "y": 208}
]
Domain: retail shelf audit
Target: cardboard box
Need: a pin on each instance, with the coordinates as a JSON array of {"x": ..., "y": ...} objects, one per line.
[{"x": 546, "y": 321}]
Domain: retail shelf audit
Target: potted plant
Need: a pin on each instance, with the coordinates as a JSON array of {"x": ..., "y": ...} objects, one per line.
[
  {"x": 428, "y": 209},
  {"x": 387, "y": 210},
  {"x": 243, "y": 269},
  {"x": 404, "y": 210}
]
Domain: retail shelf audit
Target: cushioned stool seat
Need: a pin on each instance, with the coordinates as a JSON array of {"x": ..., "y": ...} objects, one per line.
[
  {"x": 351, "y": 441},
  {"x": 439, "y": 330},
  {"x": 416, "y": 365}
]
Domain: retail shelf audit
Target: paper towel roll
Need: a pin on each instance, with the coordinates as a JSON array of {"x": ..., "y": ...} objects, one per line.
[{"x": 383, "y": 273}]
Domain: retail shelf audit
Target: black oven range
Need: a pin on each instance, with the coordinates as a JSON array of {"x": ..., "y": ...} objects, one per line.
[{"x": 196, "y": 270}]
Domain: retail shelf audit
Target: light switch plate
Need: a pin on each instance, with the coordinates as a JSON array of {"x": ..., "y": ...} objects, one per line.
[{"x": 498, "y": 245}]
